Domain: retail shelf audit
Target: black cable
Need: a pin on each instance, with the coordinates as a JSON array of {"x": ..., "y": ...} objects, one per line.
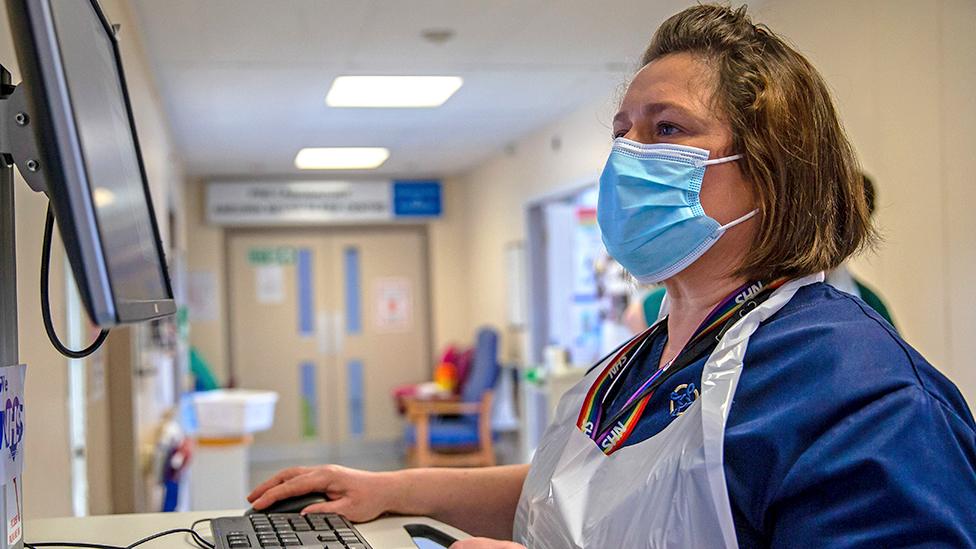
[
  {"x": 71, "y": 544},
  {"x": 198, "y": 539},
  {"x": 201, "y": 542},
  {"x": 161, "y": 534},
  {"x": 46, "y": 298}
]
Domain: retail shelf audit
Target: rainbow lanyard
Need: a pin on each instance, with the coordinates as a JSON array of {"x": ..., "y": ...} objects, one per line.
[{"x": 611, "y": 435}]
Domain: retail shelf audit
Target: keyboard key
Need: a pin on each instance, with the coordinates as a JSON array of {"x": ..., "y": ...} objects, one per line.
[
  {"x": 284, "y": 530},
  {"x": 237, "y": 542}
]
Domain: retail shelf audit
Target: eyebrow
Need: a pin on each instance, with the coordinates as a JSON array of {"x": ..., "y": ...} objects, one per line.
[{"x": 651, "y": 109}]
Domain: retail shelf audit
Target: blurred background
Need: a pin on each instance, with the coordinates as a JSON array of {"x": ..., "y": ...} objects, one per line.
[{"x": 454, "y": 253}]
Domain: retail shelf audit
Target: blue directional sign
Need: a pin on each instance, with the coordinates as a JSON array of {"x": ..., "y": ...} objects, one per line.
[{"x": 417, "y": 198}]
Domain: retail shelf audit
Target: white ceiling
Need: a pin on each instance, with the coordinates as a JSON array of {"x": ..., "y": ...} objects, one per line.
[{"x": 244, "y": 81}]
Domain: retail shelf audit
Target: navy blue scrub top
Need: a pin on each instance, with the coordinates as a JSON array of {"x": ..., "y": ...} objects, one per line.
[{"x": 840, "y": 434}]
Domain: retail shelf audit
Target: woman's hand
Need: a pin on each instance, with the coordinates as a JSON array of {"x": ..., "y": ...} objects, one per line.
[
  {"x": 479, "y": 500},
  {"x": 360, "y": 496},
  {"x": 485, "y": 543}
]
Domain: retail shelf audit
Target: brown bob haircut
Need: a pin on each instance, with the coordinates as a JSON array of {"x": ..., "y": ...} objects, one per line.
[{"x": 813, "y": 212}]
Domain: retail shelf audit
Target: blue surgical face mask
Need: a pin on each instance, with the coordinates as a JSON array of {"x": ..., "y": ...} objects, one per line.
[{"x": 649, "y": 209}]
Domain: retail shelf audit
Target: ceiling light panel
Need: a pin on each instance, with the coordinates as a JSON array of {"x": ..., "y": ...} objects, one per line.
[
  {"x": 392, "y": 91},
  {"x": 341, "y": 158}
]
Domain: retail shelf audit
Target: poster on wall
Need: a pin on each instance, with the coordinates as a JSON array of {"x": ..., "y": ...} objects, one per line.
[
  {"x": 393, "y": 305},
  {"x": 269, "y": 284},
  {"x": 202, "y": 296},
  {"x": 515, "y": 281}
]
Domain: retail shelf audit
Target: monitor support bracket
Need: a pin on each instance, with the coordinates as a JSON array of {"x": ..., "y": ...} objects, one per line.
[
  {"x": 17, "y": 136},
  {"x": 17, "y": 144}
]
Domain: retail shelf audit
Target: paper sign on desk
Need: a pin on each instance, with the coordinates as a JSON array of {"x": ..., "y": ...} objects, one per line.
[
  {"x": 12, "y": 447},
  {"x": 11, "y": 422},
  {"x": 14, "y": 498}
]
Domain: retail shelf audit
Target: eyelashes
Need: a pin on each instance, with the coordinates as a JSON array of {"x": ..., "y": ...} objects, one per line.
[
  {"x": 666, "y": 129},
  {"x": 662, "y": 129}
]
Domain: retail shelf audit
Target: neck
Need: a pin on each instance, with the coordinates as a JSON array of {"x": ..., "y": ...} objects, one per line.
[
  {"x": 692, "y": 294},
  {"x": 696, "y": 290}
]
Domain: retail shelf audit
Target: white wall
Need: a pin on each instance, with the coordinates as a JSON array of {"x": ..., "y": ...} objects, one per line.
[
  {"x": 495, "y": 195},
  {"x": 47, "y": 476},
  {"x": 904, "y": 75}
]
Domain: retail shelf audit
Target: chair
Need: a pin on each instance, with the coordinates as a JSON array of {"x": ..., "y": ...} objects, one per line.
[{"x": 457, "y": 432}]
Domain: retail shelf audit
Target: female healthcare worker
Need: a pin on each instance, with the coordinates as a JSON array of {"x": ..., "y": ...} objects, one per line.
[{"x": 767, "y": 409}]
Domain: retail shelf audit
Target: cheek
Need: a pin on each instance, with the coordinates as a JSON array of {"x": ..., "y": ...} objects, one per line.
[{"x": 725, "y": 196}]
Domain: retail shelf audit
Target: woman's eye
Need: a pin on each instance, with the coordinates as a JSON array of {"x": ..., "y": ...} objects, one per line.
[{"x": 666, "y": 130}]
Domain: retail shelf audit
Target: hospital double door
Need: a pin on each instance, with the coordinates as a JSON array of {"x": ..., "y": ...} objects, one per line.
[{"x": 332, "y": 320}]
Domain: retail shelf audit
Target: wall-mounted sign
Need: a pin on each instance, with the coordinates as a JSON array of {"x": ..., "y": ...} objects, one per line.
[
  {"x": 278, "y": 255},
  {"x": 417, "y": 198},
  {"x": 393, "y": 308},
  {"x": 320, "y": 202},
  {"x": 269, "y": 284}
]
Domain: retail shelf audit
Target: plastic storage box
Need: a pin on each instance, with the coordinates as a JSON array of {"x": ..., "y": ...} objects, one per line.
[{"x": 233, "y": 412}]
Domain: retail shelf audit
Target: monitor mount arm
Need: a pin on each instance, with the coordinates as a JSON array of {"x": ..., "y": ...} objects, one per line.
[{"x": 18, "y": 143}]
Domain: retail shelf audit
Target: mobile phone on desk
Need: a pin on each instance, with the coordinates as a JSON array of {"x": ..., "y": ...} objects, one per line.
[{"x": 428, "y": 537}]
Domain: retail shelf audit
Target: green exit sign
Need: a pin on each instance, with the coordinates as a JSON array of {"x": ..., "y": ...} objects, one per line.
[{"x": 282, "y": 255}]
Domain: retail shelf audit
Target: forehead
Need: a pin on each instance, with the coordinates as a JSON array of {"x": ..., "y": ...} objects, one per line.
[{"x": 681, "y": 79}]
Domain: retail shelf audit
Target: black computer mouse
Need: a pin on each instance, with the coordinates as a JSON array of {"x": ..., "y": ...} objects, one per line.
[{"x": 291, "y": 505}]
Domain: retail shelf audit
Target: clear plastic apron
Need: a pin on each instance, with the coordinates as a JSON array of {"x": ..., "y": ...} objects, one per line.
[{"x": 666, "y": 491}]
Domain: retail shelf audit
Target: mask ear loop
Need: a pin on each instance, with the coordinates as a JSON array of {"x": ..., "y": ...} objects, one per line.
[
  {"x": 735, "y": 222},
  {"x": 722, "y": 160},
  {"x": 747, "y": 216}
]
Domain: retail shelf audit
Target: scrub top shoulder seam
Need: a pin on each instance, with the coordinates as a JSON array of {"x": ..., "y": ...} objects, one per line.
[{"x": 899, "y": 343}]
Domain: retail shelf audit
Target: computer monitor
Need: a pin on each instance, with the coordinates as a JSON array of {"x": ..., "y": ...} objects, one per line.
[{"x": 89, "y": 156}]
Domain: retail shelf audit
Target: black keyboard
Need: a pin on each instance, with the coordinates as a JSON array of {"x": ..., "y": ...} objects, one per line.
[{"x": 291, "y": 530}]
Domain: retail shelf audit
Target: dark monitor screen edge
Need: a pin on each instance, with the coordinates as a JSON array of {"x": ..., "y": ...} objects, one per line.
[{"x": 90, "y": 155}]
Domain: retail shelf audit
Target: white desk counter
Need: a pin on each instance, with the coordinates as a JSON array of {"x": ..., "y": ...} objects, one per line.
[{"x": 384, "y": 533}]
